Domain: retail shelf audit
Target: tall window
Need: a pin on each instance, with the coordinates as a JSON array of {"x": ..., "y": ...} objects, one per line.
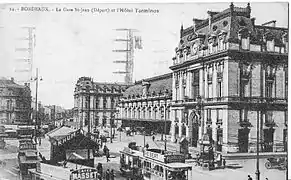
[
  {"x": 104, "y": 103},
  {"x": 209, "y": 115},
  {"x": 195, "y": 83},
  {"x": 209, "y": 79},
  {"x": 184, "y": 79},
  {"x": 269, "y": 116},
  {"x": 286, "y": 82},
  {"x": 97, "y": 103},
  {"x": 269, "y": 89},
  {"x": 219, "y": 89},
  {"x": 150, "y": 113},
  {"x": 219, "y": 80}
]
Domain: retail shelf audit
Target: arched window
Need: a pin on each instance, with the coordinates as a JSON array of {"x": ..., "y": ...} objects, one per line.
[{"x": 183, "y": 130}]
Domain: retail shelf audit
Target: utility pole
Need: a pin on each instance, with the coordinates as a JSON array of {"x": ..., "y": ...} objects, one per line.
[
  {"x": 88, "y": 114},
  {"x": 165, "y": 124},
  {"x": 36, "y": 79}
]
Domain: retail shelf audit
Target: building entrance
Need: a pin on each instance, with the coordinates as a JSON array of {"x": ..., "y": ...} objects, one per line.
[{"x": 243, "y": 139}]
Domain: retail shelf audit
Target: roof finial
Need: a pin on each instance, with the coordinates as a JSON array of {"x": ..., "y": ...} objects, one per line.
[
  {"x": 249, "y": 10},
  {"x": 181, "y": 31},
  {"x": 231, "y": 6}
]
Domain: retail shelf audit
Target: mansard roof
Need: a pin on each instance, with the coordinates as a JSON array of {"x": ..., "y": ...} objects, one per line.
[
  {"x": 232, "y": 21},
  {"x": 88, "y": 82},
  {"x": 156, "y": 84}
]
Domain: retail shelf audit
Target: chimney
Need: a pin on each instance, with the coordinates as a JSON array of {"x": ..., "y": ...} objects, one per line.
[
  {"x": 231, "y": 7},
  {"x": 253, "y": 21},
  {"x": 181, "y": 31},
  {"x": 209, "y": 19},
  {"x": 249, "y": 10},
  {"x": 194, "y": 25}
]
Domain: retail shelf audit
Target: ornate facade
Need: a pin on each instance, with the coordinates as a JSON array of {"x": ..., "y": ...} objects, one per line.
[
  {"x": 15, "y": 103},
  {"x": 147, "y": 104},
  {"x": 229, "y": 74},
  {"x": 96, "y": 102}
]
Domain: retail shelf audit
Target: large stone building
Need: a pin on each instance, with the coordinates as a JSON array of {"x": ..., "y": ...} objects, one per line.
[
  {"x": 229, "y": 74},
  {"x": 147, "y": 104},
  {"x": 96, "y": 101},
  {"x": 15, "y": 103}
]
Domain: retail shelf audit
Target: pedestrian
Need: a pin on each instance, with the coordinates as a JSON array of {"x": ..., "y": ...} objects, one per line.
[
  {"x": 107, "y": 175},
  {"x": 39, "y": 141},
  {"x": 100, "y": 170},
  {"x": 105, "y": 149},
  {"x": 112, "y": 174},
  {"x": 249, "y": 177},
  {"x": 223, "y": 161},
  {"x": 107, "y": 155},
  {"x": 153, "y": 138}
]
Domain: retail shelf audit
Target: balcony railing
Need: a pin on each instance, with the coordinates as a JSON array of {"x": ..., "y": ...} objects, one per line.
[
  {"x": 245, "y": 123},
  {"x": 219, "y": 122},
  {"x": 270, "y": 123},
  {"x": 208, "y": 121}
]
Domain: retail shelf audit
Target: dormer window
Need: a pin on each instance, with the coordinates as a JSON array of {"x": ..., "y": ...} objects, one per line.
[
  {"x": 245, "y": 43},
  {"x": 221, "y": 40},
  {"x": 270, "y": 41},
  {"x": 270, "y": 45},
  {"x": 244, "y": 37}
]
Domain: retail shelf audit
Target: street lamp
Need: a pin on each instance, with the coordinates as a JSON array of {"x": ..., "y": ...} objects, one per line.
[
  {"x": 163, "y": 116},
  {"x": 36, "y": 79},
  {"x": 258, "y": 142}
]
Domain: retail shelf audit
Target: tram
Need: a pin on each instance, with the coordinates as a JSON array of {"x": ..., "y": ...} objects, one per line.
[
  {"x": 163, "y": 165},
  {"x": 27, "y": 157},
  {"x": 153, "y": 164},
  {"x": 130, "y": 162}
]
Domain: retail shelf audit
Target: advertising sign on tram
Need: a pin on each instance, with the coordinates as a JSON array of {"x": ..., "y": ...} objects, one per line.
[
  {"x": 174, "y": 158},
  {"x": 84, "y": 174}
]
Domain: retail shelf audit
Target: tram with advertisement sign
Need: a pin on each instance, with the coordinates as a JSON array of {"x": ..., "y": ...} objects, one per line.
[
  {"x": 154, "y": 164},
  {"x": 130, "y": 162}
]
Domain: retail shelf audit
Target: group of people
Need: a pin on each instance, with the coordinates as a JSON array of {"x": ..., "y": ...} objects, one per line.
[
  {"x": 250, "y": 178},
  {"x": 108, "y": 175}
]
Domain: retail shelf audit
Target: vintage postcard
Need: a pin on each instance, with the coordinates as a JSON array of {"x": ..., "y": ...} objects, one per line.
[{"x": 144, "y": 91}]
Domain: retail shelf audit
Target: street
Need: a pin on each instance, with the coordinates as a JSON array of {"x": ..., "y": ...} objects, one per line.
[{"x": 238, "y": 169}]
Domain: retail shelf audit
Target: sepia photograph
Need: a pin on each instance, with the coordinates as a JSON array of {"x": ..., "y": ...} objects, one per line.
[{"x": 144, "y": 91}]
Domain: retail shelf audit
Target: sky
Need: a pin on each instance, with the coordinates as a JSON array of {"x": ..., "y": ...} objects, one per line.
[{"x": 69, "y": 45}]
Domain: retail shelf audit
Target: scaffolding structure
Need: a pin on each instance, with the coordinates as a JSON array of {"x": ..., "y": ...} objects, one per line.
[
  {"x": 132, "y": 42},
  {"x": 24, "y": 63}
]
